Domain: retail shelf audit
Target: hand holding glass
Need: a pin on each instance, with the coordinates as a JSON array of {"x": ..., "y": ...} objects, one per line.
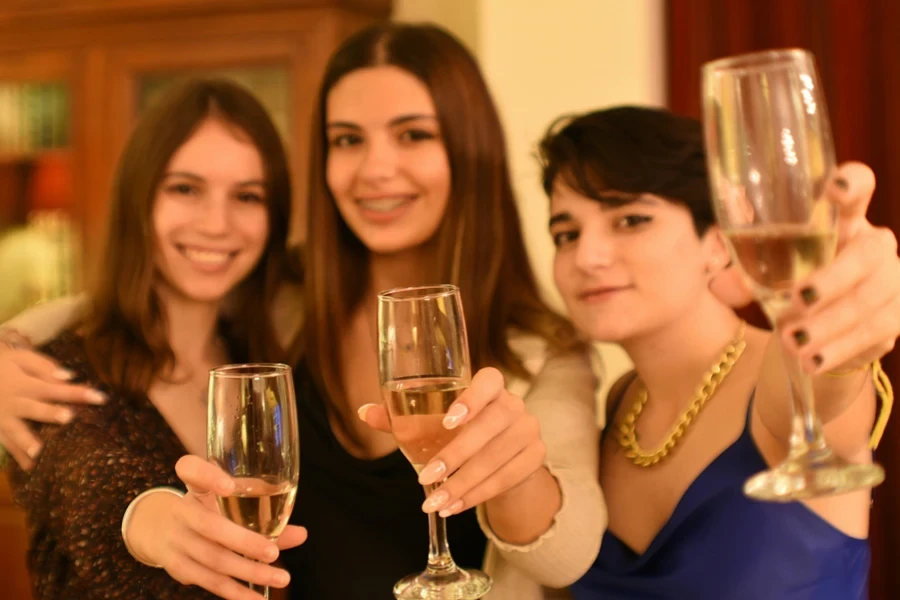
[
  {"x": 252, "y": 435},
  {"x": 423, "y": 363},
  {"x": 770, "y": 158}
]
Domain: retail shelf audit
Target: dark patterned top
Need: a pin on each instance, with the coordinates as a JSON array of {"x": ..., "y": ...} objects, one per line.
[{"x": 81, "y": 484}]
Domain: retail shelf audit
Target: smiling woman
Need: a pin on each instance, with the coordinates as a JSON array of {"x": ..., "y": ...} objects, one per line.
[
  {"x": 199, "y": 214},
  {"x": 210, "y": 219},
  {"x": 388, "y": 171},
  {"x": 710, "y": 401}
]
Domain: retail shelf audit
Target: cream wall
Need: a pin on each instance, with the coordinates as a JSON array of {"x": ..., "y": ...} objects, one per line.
[{"x": 543, "y": 59}]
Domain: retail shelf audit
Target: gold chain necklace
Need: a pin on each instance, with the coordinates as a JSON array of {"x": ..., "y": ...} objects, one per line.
[{"x": 627, "y": 434}]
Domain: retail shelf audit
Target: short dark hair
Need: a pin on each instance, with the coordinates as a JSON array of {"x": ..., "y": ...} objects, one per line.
[{"x": 630, "y": 150}]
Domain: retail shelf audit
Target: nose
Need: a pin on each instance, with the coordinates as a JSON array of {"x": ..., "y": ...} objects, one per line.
[
  {"x": 595, "y": 250},
  {"x": 379, "y": 160},
  {"x": 215, "y": 215}
]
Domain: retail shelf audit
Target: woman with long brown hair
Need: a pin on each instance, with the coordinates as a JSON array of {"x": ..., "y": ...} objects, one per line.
[
  {"x": 197, "y": 223},
  {"x": 410, "y": 185}
]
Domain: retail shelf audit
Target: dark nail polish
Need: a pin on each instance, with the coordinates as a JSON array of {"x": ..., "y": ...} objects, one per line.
[
  {"x": 842, "y": 183},
  {"x": 801, "y": 337},
  {"x": 809, "y": 295},
  {"x": 817, "y": 359}
]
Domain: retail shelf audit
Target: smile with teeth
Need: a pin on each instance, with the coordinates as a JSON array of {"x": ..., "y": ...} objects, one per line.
[
  {"x": 207, "y": 257},
  {"x": 385, "y": 205}
]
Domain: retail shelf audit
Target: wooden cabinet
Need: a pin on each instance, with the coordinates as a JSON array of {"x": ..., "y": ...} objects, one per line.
[
  {"x": 104, "y": 53},
  {"x": 14, "y": 581},
  {"x": 74, "y": 75}
]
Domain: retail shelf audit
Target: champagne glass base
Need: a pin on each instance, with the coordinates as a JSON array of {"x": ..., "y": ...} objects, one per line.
[
  {"x": 802, "y": 477},
  {"x": 459, "y": 584}
]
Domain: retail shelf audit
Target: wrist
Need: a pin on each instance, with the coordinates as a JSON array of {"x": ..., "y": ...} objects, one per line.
[
  {"x": 12, "y": 339},
  {"x": 525, "y": 512},
  {"x": 136, "y": 514}
]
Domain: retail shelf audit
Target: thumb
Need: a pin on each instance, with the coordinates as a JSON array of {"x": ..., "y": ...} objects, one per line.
[
  {"x": 850, "y": 190},
  {"x": 202, "y": 477},
  {"x": 375, "y": 416}
]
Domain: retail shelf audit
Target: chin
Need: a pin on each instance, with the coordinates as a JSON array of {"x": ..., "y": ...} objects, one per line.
[
  {"x": 388, "y": 245},
  {"x": 603, "y": 328}
]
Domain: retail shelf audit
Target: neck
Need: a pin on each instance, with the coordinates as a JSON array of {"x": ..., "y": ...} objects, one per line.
[
  {"x": 191, "y": 328},
  {"x": 406, "y": 269},
  {"x": 671, "y": 360}
]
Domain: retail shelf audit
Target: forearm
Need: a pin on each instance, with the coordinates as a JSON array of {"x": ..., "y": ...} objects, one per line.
[
  {"x": 845, "y": 403},
  {"x": 522, "y": 514},
  {"x": 834, "y": 395}
]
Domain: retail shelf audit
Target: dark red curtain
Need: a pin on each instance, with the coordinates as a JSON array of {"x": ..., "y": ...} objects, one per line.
[{"x": 857, "y": 47}]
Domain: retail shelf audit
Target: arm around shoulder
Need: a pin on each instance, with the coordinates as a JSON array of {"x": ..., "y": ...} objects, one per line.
[{"x": 44, "y": 321}]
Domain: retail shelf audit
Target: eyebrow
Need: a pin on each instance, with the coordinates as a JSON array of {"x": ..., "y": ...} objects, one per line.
[
  {"x": 626, "y": 200},
  {"x": 562, "y": 217},
  {"x": 195, "y": 177},
  {"x": 393, "y": 122}
]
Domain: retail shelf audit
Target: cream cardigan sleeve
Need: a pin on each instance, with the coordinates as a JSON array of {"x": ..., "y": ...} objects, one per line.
[
  {"x": 563, "y": 398},
  {"x": 44, "y": 321}
]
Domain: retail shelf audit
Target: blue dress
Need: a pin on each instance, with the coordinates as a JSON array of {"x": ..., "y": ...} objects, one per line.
[{"x": 721, "y": 545}]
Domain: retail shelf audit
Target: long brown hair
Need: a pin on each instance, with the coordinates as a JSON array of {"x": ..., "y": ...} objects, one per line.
[
  {"x": 125, "y": 329},
  {"x": 480, "y": 245}
]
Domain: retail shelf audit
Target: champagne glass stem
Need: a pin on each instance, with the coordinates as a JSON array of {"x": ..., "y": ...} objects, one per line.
[
  {"x": 439, "y": 560},
  {"x": 807, "y": 436},
  {"x": 263, "y": 590}
]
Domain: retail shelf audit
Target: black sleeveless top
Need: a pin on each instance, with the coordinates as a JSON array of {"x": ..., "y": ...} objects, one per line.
[{"x": 365, "y": 521}]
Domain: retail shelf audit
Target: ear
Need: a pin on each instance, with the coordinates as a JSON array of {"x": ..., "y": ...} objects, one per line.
[
  {"x": 718, "y": 257},
  {"x": 725, "y": 280}
]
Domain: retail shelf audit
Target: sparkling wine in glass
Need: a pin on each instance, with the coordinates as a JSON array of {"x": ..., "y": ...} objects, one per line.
[
  {"x": 770, "y": 158},
  {"x": 252, "y": 435},
  {"x": 423, "y": 363}
]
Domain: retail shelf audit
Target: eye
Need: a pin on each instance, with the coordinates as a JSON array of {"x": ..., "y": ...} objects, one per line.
[
  {"x": 182, "y": 189},
  {"x": 563, "y": 238},
  {"x": 416, "y": 135},
  {"x": 345, "y": 140},
  {"x": 632, "y": 221},
  {"x": 250, "y": 197}
]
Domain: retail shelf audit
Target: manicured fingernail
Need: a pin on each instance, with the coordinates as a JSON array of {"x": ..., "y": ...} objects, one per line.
[
  {"x": 817, "y": 359},
  {"x": 281, "y": 579},
  {"x": 95, "y": 397},
  {"x": 809, "y": 295},
  {"x": 435, "y": 501},
  {"x": 64, "y": 415},
  {"x": 363, "y": 410},
  {"x": 63, "y": 374},
  {"x": 434, "y": 471},
  {"x": 801, "y": 337},
  {"x": 452, "y": 509},
  {"x": 33, "y": 451},
  {"x": 842, "y": 183},
  {"x": 455, "y": 415}
]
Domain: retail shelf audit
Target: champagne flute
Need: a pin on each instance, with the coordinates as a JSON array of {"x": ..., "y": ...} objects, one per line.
[
  {"x": 423, "y": 363},
  {"x": 770, "y": 158},
  {"x": 252, "y": 435}
]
